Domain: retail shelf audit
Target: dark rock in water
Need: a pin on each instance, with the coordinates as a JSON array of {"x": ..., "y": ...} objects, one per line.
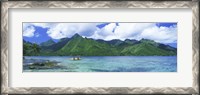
[
  {"x": 44, "y": 65},
  {"x": 40, "y": 64}
]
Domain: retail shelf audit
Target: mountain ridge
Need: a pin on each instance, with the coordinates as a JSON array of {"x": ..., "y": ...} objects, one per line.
[
  {"x": 47, "y": 43},
  {"x": 78, "y": 45}
]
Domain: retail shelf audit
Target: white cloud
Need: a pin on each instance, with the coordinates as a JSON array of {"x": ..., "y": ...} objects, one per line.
[
  {"x": 28, "y": 31},
  {"x": 107, "y": 30},
  {"x": 131, "y": 30},
  {"x": 160, "y": 34},
  {"x": 121, "y": 31},
  {"x": 137, "y": 31},
  {"x": 43, "y": 25},
  {"x": 62, "y": 30},
  {"x": 37, "y": 34}
]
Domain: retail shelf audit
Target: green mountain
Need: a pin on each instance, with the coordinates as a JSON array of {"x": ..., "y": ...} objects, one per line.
[
  {"x": 148, "y": 49},
  {"x": 56, "y": 46},
  {"x": 86, "y": 47},
  {"x": 77, "y": 45},
  {"x": 48, "y": 43}
]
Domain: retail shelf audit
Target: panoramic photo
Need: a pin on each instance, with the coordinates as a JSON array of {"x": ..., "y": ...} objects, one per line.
[{"x": 99, "y": 47}]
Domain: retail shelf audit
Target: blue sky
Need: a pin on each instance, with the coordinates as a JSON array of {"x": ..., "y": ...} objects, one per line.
[
  {"x": 160, "y": 32},
  {"x": 165, "y": 24}
]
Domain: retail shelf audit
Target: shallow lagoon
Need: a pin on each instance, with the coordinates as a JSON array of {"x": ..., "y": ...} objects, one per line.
[{"x": 109, "y": 64}]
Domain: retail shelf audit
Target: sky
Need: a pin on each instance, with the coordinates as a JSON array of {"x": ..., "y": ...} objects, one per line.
[{"x": 165, "y": 33}]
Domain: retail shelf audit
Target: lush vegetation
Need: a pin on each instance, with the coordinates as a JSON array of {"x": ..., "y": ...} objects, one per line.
[
  {"x": 77, "y": 45},
  {"x": 31, "y": 49}
]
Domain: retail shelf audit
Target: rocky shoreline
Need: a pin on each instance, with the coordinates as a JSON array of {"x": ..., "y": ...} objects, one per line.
[{"x": 40, "y": 64}]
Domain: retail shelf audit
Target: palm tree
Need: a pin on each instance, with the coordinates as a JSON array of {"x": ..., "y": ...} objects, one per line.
[{"x": 36, "y": 48}]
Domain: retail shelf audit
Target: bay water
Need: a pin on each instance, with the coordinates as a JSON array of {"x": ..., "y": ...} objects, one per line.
[{"x": 109, "y": 64}]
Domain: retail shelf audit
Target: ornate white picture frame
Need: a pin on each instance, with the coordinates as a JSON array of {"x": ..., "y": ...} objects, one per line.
[{"x": 6, "y": 5}]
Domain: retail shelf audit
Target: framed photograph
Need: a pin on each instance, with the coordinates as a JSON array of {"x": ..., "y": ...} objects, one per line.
[{"x": 100, "y": 47}]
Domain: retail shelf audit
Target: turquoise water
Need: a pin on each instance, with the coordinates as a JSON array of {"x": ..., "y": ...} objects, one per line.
[{"x": 109, "y": 64}]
